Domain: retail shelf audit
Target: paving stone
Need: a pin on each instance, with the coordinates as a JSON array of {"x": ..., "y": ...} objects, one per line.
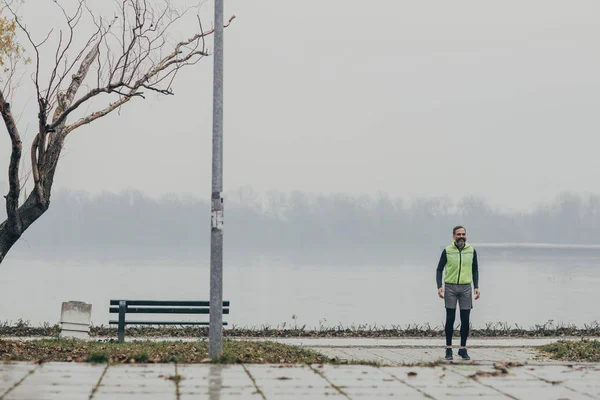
[
  {"x": 200, "y": 377},
  {"x": 139, "y": 379},
  {"x": 544, "y": 392},
  {"x": 365, "y": 380},
  {"x": 221, "y": 396},
  {"x": 59, "y": 380},
  {"x": 299, "y": 380},
  {"x": 11, "y": 373},
  {"x": 132, "y": 396}
]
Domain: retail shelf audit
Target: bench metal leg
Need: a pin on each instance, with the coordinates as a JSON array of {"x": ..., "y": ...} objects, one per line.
[{"x": 122, "y": 307}]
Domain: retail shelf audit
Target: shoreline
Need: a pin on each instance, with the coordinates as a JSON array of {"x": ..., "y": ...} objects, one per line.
[{"x": 490, "y": 331}]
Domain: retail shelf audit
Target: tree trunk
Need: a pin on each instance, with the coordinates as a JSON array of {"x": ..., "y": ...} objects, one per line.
[
  {"x": 30, "y": 212},
  {"x": 32, "y": 209}
]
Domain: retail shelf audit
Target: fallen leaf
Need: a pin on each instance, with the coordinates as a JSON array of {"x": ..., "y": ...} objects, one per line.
[
  {"x": 497, "y": 372},
  {"x": 411, "y": 373},
  {"x": 502, "y": 366},
  {"x": 175, "y": 378}
]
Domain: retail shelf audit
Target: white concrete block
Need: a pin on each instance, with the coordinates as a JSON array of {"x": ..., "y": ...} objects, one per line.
[{"x": 75, "y": 318}]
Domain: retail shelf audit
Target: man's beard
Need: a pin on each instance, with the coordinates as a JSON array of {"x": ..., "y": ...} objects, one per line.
[{"x": 460, "y": 242}]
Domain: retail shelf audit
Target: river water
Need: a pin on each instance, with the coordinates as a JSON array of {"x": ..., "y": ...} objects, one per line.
[{"x": 517, "y": 290}]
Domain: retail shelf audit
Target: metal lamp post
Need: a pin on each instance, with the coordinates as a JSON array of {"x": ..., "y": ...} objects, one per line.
[{"x": 215, "y": 335}]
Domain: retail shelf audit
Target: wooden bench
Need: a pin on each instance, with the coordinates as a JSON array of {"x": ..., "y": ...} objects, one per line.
[{"x": 158, "y": 307}]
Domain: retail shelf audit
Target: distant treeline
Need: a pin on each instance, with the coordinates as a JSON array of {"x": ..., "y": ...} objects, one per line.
[{"x": 131, "y": 223}]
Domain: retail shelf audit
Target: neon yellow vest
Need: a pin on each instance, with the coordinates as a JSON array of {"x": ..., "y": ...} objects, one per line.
[{"x": 459, "y": 265}]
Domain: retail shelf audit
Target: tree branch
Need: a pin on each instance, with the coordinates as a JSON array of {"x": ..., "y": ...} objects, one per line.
[
  {"x": 64, "y": 107},
  {"x": 12, "y": 198},
  {"x": 35, "y": 170},
  {"x": 134, "y": 55},
  {"x": 94, "y": 116},
  {"x": 60, "y": 55}
]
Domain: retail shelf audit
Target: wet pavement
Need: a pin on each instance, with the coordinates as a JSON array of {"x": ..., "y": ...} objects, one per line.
[
  {"x": 420, "y": 350},
  {"x": 487, "y": 376},
  {"x": 67, "y": 381}
]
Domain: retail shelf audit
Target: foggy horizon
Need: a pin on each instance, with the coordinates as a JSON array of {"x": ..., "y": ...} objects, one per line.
[
  {"x": 131, "y": 225},
  {"x": 496, "y": 101}
]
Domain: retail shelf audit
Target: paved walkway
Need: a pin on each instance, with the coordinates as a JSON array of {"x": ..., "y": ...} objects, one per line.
[
  {"x": 528, "y": 377},
  {"x": 66, "y": 381},
  {"x": 392, "y": 352}
]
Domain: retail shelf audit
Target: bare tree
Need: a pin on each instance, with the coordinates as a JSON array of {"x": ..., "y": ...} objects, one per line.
[{"x": 124, "y": 58}]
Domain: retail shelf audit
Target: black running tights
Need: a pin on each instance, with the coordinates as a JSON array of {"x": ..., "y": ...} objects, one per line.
[{"x": 464, "y": 325}]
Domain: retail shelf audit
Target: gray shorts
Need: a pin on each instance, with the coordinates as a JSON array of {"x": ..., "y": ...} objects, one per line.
[{"x": 461, "y": 293}]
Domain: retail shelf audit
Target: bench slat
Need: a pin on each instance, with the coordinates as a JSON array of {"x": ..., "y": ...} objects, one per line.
[
  {"x": 166, "y": 303},
  {"x": 161, "y": 310},
  {"x": 160, "y": 323}
]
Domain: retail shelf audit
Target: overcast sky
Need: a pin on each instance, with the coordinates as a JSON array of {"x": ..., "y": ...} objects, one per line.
[{"x": 411, "y": 98}]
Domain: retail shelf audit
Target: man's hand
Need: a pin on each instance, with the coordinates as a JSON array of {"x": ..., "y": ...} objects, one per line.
[
  {"x": 441, "y": 293},
  {"x": 477, "y": 294}
]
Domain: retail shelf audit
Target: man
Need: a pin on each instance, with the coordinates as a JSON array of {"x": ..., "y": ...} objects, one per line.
[{"x": 460, "y": 261}]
